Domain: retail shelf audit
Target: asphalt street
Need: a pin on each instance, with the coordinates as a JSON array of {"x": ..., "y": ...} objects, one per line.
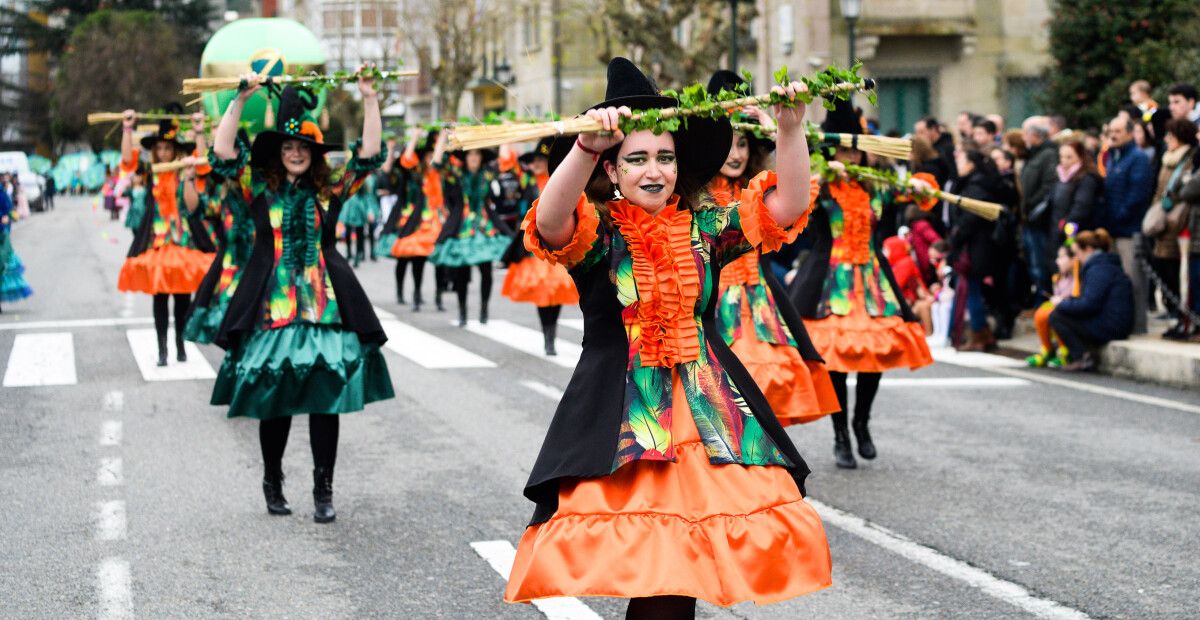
[{"x": 996, "y": 493}]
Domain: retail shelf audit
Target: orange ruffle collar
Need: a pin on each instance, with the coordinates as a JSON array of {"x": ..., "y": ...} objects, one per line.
[
  {"x": 667, "y": 280},
  {"x": 855, "y": 203}
]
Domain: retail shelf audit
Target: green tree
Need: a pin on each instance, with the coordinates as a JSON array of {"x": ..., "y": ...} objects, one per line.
[
  {"x": 1100, "y": 47},
  {"x": 117, "y": 60}
]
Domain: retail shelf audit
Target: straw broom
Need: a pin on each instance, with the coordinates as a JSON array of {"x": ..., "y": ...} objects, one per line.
[
  {"x": 989, "y": 211},
  {"x": 192, "y": 86},
  {"x": 468, "y": 137},
  {"x": 895, "y": 148},
  {"x": 99, "y": 118}
]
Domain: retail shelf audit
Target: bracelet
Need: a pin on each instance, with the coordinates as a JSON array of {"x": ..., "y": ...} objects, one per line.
[{"x": 595, "y": 154}]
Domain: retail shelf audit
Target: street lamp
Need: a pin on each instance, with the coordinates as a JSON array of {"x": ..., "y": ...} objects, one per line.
[{"x": 851, "y": 10}]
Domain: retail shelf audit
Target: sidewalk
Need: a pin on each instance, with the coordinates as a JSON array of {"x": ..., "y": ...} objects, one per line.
[{"x": 1143, "y": 358}]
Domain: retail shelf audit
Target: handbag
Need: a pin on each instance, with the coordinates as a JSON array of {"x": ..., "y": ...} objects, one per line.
[{"x": 1166, "y": 216}]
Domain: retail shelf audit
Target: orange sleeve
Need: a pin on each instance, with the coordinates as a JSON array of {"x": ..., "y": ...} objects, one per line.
[
  {"x": 759, "y": 227},
  {"x": 409, "y": 160},
  {"x": 929, "y": 202},
  {"x": 130, "y": 167},
  {"x": 587, "y": 224},
  {"x": 508, "y": 158},
  {"x": 202, "y": 169}
]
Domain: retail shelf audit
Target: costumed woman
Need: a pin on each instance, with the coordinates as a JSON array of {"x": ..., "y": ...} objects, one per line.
[
  {"x": 470, "y": 236},
  {"x": 228, "y": 201},
  {"x": 415, "y": 222},
  {"x": 754, "y": 314},
  {"x": 166, "y": 259},
  {"x": 664, "y": 477},
  {"x": 359, "y": 216},
  {"x": 12, "y": 271},
  {"x": 530, "y": 279},
  {"x": 300, "y": 335},
  {"x": 847, "y": 295}
]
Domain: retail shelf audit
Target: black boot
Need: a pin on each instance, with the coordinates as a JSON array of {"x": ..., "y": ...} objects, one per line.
[
  {"x": 180, "y": 353},
  {"x": 842, "y": 452},
  {"x": 550, "y": 333},
  {"x": 417, "y": 301},
  {"x": 162, "y": 349},
  {"x": 437, "y": 299},
  {"x": 462, "y": 315},
  {"x": 866, "y": 447},
  {"x": 483, "y": 314},
  {"x": 273, "y": 491},
  {"x": 400, "y": 299},
  {"x": 323, "y": 495}
]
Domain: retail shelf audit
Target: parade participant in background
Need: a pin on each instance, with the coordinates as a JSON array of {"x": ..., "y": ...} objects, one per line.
[
  {"x": 662, "y": 446},
  {"x": 470, "y": 236},
  {"x": 138, "y": 198},
  {"x": 109, "y": 193},
  {"x": 754, "y": 314},
  {"x": 847, "y": 295},
  {"x": 12, "y": 271},
  {"x": 300, "y": 334},
  {"x": 530, "y": 279},
  {"x": 359, "y": 216},
  {"x": 415, "y": 222},
  {"x": 235, "y": 230},
  {"x": 165, "y": 259}
]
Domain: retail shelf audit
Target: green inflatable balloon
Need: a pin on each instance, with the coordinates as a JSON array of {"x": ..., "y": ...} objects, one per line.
[{"x": 278, "y": 45}]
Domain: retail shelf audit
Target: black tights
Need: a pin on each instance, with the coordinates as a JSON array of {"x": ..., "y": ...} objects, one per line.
[
  {"x": 548, "y": 316},
  {"x": 161, "y": 301},
  {"x": 322, "y": 436},
  {"x": 661, "y": 608},
  {"x": 461, "y": 277},
  {"x": 864, "y": 396},
  {"x": 418, "y": 270},
  {"x": 363, "y": 234}
]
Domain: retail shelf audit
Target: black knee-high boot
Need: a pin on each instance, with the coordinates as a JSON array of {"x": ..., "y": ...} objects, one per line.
[
  {"x": 369, "y": 234},
  {"x": 661, "y": 608},
  {"x": 485, "y": 290},
  {"x": 864, "y": 396},
  {"x": 418, "y": 271},
  {"x": 842, "y": 452},
  {"x": 401, "y": 266},
  {"x": 461, "y": 277},
  {"x": 441, "y": 281},
  {"x": 161, "y": 311},
  {"x": 548, "y": 317},
  {"x": 183, "y": 302},
  {"x": 323, "y": 438},
  {"x": 272, "y": 439}
]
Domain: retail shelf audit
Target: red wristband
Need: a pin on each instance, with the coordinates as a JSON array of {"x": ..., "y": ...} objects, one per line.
[{"x": 595, "y": 154}]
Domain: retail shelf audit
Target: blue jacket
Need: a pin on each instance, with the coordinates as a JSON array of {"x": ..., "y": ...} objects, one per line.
[
  {"x": 1105, "y": 303},
  {"x": 1128, "y": 187}
]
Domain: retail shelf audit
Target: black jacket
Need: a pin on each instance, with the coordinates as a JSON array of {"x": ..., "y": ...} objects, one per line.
[
  {"x": 1038, "y": 179},
  {"x": 973, "y": 234},
  {"x": 1077, "y": 200},
  {"x": 1105, "y": 303}
]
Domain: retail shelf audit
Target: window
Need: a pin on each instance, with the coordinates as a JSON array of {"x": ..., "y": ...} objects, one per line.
[
  {"x": 787, "y": 29},
  {"x": 1020, "y": 98},
  {"x": 902, "y": 102}
]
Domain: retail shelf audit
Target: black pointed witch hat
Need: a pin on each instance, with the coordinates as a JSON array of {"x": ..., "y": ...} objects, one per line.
[
  {"x": 701, "y": 145},
  {"x": 168, "y": 131},
  {"x": 294, "y": 121}
]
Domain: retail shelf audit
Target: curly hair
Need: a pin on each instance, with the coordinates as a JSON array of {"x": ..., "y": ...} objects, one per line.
[{"x": 317, "y": 174}]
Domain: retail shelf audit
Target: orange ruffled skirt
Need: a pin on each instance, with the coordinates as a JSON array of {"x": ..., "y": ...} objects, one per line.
[
  {"x": 420, "y": 243},
  {"x": 540, "y": 283},
  {"x": 859, "y": 342},
  {"x": 720, "y": 533},
  {"x": 798, "y": 391},
  {"x": 167, "y": 268}
]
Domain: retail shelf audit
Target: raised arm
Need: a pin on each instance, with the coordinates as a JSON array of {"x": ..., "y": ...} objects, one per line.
[
  {"x": 224, "y": 140},
  {"x": 439, "y": 148},
  {"x": 790, "y": 199},
  {"x": 201, "y": 136},
  {"x": 191, "y": 197},
  {"x": 390, "y": 162},
  {"x": 556, "y": 206},
  {"x": 372, "y": 131},
  {"x": 127, "y": 125}
]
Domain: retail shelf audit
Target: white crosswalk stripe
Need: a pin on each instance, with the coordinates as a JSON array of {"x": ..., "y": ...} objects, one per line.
[
  {"x": 144, "y": 344},
  {"x": 41, "y": 359},
  {"x": 527, "y": 340},
  {"x": 428, "y": 350}
]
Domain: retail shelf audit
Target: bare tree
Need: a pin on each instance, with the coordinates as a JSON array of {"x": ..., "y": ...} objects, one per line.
[{"x": 446, "y": 40}]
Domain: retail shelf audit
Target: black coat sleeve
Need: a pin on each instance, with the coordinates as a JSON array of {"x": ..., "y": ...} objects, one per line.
[{"x": 1083, "y": 203}]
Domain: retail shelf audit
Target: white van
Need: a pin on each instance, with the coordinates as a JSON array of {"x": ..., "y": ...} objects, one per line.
[{"x": 32, "y": 183}]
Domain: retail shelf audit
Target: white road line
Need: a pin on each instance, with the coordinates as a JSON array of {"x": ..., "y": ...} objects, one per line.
[
  {"x": 974, "y": 359},
  {"x": 987, "y": 583},
  {"x": 382, "y": 314},
  {"x": 110, "y": 520},
  {"x": 144, "y": 344},
  {"x": 500, "y": 555},
  {"x": 575, "y": 324},
  {"x": 41, "y": 359},
  {"x": 527, "y": 340},
  {"x": 114, "y": 322},
  {"x": 127, "y": 305},
  {"x": 552, "y": 393},
  {"x": 111, "y": 472},
  {"x": 115, "y": 593},
  {"x": 947, "y": 382},
  {"x": 114, "y": 400},
  {"x": 110, "y": 433},
  {"x": 1099, "y": 389},
  {"x": 428, "y": 350}
]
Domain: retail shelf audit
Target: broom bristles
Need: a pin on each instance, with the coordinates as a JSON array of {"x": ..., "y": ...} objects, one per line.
[
  {"x": 987, "y": 210},
  {"x": 169, "y": 166},
  {"x": 98, "y": 118},
  {"x": 192, "y": 86}
]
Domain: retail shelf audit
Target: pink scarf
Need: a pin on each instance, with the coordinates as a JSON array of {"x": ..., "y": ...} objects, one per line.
[{"x": 1065, "y": 174}]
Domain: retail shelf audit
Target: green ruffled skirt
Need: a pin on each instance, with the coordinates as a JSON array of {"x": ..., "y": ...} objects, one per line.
[
  {"x": 203, "y": 325},
  {"x": 299, "y": 369},
  {"x": 473, "y": 250},
  {"x": 383, "y": 245}
]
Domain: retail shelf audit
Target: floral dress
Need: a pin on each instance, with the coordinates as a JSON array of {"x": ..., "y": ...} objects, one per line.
[
  {"x": 165, "y": 256},
  {"x": 469, "y": 236},
  {"x": 664, "y": 471},
  {"x": 415, "y": 223},
  {"x": 850, "y": 302},
  {"x": 751, "y": 321},
  {"x": 300, "y": 334}
]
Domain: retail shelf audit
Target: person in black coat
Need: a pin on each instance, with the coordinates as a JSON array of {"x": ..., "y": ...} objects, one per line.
[
  {"x": 972, "y": 241},
  {"x": 1077, "y": 195},
  {"x": 1103, "y": 311}
]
